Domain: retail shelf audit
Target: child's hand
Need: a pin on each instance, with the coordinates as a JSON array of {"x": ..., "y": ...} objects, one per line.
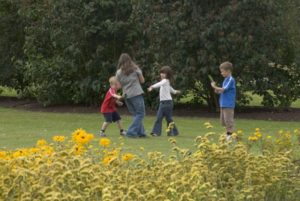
[
  {"x": 119, "y": 103},
  {"x": 213, "y": 84},
  {"x": 178, "y": 92},
  {"x": 150, "y": 89},
  {"x": 118, "y": 97}
]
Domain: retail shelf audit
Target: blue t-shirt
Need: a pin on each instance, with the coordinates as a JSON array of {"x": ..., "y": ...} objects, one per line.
[{"x": 227, "y": 98}]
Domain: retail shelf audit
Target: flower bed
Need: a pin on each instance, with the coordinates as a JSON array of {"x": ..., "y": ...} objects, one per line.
[{"x": 79, "y": 170}]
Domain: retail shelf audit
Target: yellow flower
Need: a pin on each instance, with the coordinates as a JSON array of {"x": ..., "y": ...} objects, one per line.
[
  {"x": 257, "y": 129},
  {"x": 58, "y": 138},
  {"x": 34, "y": 150},
  {"x": 252, "y": 138},
  {"x": 296, "y": 131},
  {"x": 234, "y": 135},
  {"x": 78, "y": 149},
  {"x": 104, "y": 142},
  {"x": 258, "y": 134},
  {"x": 269, "y": 137},
  {"x": 208, "y": 125},
  {"x": 3, "y": 154},
  {"x": 41, "y": 143},
  {"x": 171, "y": 125},
  {"x": 113, "y": 153},
  {"x": 21, "y": 152},
  {"x": 127, "y": 157},
  {"x": 80, "y": 136},
  {"x": 108, "y": 159},
  {"x": 77, "y": 133},
  {"x": 239, "y": 132}
]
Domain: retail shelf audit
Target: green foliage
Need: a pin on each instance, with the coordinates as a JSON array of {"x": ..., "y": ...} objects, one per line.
[
  {"x": 63, "y": 51},
  {"x": 194, "y": 37},
  {"x": 11, "y": 40}
]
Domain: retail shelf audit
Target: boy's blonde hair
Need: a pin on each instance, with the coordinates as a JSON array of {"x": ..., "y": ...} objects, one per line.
[
  {"x": 227, "y": 66},
  {"x": 112, "y": 80}
]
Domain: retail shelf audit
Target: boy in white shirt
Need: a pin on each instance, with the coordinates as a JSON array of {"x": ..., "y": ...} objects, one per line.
[{"x": 165, "y": 109}]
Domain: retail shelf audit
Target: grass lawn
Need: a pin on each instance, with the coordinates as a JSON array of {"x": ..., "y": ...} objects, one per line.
[{"x": 21, "y": 128}]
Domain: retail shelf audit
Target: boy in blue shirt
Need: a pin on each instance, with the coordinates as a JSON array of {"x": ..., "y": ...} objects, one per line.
[{"x": 227, "y": 98}]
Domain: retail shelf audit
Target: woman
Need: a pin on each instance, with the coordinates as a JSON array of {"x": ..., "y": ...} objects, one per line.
[{"x": 131, "y": 77}]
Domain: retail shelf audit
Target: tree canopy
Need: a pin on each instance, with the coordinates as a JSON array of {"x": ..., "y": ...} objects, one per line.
[{"x": 63, "y": 51}]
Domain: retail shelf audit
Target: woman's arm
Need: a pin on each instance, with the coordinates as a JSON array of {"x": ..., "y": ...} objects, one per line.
[{"x": 140, "y": 75}]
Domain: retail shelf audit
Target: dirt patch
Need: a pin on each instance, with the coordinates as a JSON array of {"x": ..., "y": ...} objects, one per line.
[{"x": 257, "y": 113}]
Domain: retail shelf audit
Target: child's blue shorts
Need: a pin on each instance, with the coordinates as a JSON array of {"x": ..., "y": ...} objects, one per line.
[{"x": 111, "y": 117}]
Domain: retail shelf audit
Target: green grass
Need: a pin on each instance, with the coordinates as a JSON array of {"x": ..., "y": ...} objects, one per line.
[{"x": 21, "y": 128}]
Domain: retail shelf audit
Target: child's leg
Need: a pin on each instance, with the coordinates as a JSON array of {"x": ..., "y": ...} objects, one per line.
[
  {"x": 222, "y": 118},
  {"x": 108, "y": 120},
  {"x": 229, "y": 120},
  {"x": 104, "y": 126},
  {"x": 117, "y": 118},
  {"x": 120, "y": 125},
  {"x": 168, "y": 113},
  {"x": 158, "y": 122}
]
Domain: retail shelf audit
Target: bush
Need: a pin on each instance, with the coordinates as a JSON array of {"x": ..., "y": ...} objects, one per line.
[
  {"x": 63, "y": 51},
  {"x": 75, "y": 169}
]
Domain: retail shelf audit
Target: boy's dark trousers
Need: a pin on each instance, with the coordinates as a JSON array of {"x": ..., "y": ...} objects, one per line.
[{"x": 165, "y": 110}]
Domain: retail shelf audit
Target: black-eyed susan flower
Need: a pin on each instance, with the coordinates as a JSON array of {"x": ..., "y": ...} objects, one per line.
[
  {"x": 104, "y": 142},
  {"x": 58, "y": 138},
  {"x": 127, "y": 157},
  {"x": 41, "y": 143}
]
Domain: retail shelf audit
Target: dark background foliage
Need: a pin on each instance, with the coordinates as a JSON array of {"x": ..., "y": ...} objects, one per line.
[{"x": 63, "y": 51}]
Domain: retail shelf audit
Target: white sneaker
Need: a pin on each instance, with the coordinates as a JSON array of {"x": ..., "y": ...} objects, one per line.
[
  {"x": 123, "y": 133},
  {"x": 228, "y": 138},
  {"x": 102, "y": 134}
]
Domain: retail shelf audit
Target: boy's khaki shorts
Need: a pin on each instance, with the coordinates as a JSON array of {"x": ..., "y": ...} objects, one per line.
[{"x": 227, "y": 118}]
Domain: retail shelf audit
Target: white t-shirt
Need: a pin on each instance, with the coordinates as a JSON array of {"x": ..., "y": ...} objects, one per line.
[{"x": 165, "y": 89}]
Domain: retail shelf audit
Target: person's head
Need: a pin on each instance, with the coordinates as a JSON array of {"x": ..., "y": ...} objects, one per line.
[
  {"x": 226, "y": 69},
  {"x": 126, "y": 64},
  {"x": 166, "y": 73},
  {"x": 114, "y": 83}
]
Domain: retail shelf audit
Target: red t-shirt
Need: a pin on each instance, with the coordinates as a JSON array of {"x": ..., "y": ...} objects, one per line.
[{"x": 109, "y": 103}]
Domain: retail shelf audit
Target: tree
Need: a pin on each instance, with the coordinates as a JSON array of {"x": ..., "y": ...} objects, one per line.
[{"x": 196, "y": 36}]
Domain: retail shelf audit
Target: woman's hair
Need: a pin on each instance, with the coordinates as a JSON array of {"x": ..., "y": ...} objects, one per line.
[
  {"x": 126, "y": 64},
  {"x": 168, "y": 71}
]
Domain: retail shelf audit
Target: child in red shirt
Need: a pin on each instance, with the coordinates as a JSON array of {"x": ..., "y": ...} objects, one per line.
[{"x": 109, "y": 109}]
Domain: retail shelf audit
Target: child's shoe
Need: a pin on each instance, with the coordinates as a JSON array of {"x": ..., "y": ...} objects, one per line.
[
  {"x": 102, "y": 134},
  {"x": 228, "y": 138},
  {"x": 123, "y": 133},
  {"x": 154, "y": 134}
]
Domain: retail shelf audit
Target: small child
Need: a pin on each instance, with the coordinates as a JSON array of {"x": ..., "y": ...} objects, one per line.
[
  {"x": 227, "y": 98},
  {"x": 166, "y": 103},
  {"x": 109, "y": 109}
]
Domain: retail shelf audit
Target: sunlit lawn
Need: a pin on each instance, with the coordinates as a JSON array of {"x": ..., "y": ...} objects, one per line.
[{"x": 19, "y": 128}]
